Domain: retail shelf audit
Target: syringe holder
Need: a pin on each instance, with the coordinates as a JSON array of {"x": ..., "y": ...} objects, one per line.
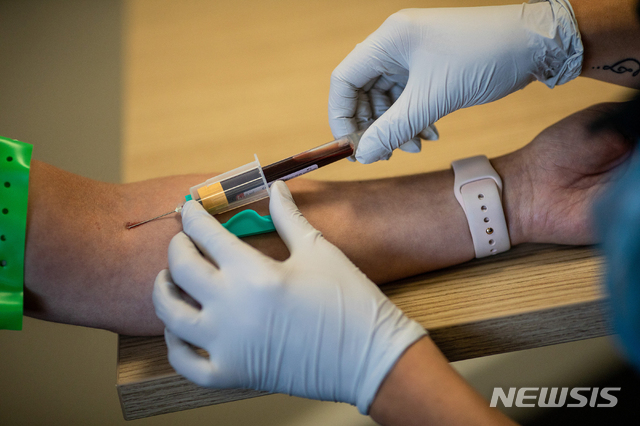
[{"x": 236, "y": 188}]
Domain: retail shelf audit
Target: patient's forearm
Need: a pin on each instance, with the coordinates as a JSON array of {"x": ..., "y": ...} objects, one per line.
[{"x": 84, "y": 267}]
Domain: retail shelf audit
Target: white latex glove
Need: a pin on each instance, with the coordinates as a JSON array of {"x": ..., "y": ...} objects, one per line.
[
  {"x": 423, "y": 64},
  {"x": 312, "y": 326}
]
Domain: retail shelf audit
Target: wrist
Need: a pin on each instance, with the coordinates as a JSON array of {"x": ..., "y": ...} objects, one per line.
[
  {"x": 408, "y": 382},
  {"x": 513, "y": 188},
  {"x": 422, "y": 388},
  {"x": 560, "y": 49}
]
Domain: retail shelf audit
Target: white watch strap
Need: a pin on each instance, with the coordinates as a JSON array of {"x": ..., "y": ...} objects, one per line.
[{"x": 478, "y": 189}]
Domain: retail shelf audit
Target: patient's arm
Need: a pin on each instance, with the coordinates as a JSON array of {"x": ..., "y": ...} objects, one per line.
[{"x": 83, "y": 267}]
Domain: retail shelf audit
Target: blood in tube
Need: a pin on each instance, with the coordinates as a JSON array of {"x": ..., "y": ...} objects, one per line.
[
  {"x": 307, "y": 161},
  {"x": 216, "y": 196}
]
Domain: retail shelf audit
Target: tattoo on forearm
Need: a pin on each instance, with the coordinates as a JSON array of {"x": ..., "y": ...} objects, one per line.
[{"x": 626, "y": 65}]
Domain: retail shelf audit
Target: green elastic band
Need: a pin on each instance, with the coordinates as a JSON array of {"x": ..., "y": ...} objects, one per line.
[
  {"x": 249, "y": 222},
  {"x": 15, "y": 160}
]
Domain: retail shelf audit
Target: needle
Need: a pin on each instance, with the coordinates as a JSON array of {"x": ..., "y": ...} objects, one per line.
[{"x": 177, "y": 210}]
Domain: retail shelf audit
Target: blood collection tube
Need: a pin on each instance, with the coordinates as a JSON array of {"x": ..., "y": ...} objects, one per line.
[
  {"x": 251, "y": 182},
  {"x": 312, "y": 159},
  {"x": 233, "y": 189}
]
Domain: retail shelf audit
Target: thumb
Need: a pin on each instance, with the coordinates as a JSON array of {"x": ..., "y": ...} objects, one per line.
[
  {"x": 292, "y": 227},
  {"x": 397, "y": 126}
]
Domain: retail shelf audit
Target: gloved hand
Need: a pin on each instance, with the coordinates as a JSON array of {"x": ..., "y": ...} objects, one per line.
[
  {"x": 423, "y": 64},
  {"x": 313, "y": 326}
]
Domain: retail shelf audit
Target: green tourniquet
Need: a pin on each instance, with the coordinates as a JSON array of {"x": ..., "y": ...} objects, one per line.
[
  {"x": 249, "y": 222},
  {"x": 15, "y": 160}
]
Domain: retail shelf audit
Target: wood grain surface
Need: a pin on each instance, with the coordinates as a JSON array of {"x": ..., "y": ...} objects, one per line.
[
  {"x": 208, "y": 84},
  {"x": 532, "y": 296}
]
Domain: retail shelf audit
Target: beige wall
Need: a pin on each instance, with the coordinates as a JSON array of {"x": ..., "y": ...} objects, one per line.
[{"x": 60, "y": 82}]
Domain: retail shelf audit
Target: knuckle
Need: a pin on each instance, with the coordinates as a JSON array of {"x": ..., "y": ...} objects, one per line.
[
  {"x": 313, "y": 237},
  {"x": 205, "y": 379},
  {"x": 179, "y": 269},
  {"x": 268, "y": 278},
  {"x": 195, "y": 222},
  {"x": 200, "y": 380},
  {"x": 316, "y": 236},
  {"x": 401, "y": 17},
  {"x": 187, "y": 321},
  {"x": 189, "y": 221},
  {"x": 169, "y": 319},
  {"x": 159, "y": 307},
  {"x": 337, "y": 76},
  {"x": 214, "y": 241},
  {"x": 215, "y": 245},
  {"x": 179, "y": 321},
  {"x": 263, "y": 281},
  {"x": 177, "y": 246},
  {"x": 159, "y": 293},
  {"x": 175, "y": 359},
  {"x": 176, "y": 241},
  {"x": 162, "y": 277},
  {"x": 158, "y": 290}
]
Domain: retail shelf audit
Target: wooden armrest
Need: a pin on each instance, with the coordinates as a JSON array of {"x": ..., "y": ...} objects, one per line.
[{"x": 532, "y": 296}]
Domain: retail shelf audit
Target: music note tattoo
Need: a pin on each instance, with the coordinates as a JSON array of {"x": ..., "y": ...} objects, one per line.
[{"x": 626, "y": 65}]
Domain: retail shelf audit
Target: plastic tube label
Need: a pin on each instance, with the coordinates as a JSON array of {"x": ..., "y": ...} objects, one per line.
[
  {"x": 297, "y": 173},
  {"x": 249, "y": 192}
]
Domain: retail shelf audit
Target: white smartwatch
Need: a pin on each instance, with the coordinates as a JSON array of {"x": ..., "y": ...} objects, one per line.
[{"x": 478, "y": 189}]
